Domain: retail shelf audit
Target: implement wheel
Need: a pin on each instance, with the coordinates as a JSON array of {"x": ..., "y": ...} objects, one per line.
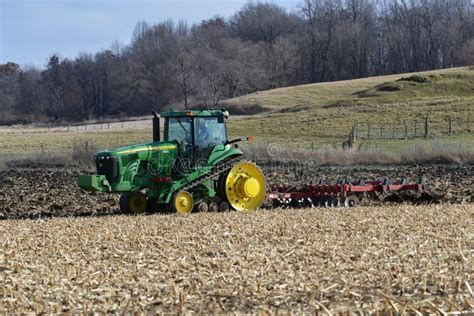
[
  {"x": 182, "y": 202},
  {"x": 133, "y": 202},
  {"x": 243, "y": 187}
]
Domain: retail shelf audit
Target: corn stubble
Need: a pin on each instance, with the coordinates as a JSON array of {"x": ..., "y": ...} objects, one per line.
[{"x": 374, "y": 259}]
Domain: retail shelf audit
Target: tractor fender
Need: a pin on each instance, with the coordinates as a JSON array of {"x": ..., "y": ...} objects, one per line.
[{"x": 222, "y": 152}]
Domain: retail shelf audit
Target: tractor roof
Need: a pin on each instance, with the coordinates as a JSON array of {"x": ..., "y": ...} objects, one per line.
[{"x": 205, "y": 112}]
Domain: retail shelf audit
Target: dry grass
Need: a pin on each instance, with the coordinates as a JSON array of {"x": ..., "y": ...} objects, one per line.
[
  {"x": 38, "y": 141},
  {"x": 403, "y": 259},
  {"x": 78, "y": 156},
  {"x": 418, "y": 153}
]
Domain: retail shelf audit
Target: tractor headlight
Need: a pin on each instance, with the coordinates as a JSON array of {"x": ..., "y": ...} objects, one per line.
[{"x": 108, "y": 166}]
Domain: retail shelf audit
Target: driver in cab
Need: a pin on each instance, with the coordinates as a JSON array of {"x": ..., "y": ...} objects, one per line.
[{"x": 203, "y": 135}]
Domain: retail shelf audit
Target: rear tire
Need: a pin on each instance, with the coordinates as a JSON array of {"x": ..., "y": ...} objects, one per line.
[
  {"x": 242, "y": 187},
  {"x": 220, "y": 188}
]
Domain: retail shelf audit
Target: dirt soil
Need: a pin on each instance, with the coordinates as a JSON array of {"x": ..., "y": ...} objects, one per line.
[{"x": 33, "y": 193}]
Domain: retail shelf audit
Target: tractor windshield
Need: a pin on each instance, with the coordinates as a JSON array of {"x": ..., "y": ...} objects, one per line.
[
  {"x": 209, "y": 132},
  {"x": 179, "y": 128}
]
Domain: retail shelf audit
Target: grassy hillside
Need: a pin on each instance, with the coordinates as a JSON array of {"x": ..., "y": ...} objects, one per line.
[
  {"x": 324, "y": 112},
  {"x": 317, "y": 114}
]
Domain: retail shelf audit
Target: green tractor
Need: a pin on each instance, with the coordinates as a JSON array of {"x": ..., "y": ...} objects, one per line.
[{"x": 194, "y": 167}]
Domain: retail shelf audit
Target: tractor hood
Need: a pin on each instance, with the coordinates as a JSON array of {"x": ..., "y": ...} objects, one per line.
[
  {"x": 143, "y": 151},
  {"x": 117, "y": 168}
]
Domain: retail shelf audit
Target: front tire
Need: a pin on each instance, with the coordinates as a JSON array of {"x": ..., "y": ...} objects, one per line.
[{"x": 133, "y": 203}]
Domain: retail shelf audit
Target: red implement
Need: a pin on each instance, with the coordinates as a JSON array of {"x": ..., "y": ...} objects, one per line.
[{"x": 342, "y": 193}]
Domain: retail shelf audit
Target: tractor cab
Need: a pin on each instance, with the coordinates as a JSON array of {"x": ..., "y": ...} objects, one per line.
[{"x": 196, "y": 132}]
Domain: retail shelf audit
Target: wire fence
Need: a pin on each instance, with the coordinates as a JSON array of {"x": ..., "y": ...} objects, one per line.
[
  {"x": 84, "y": 127},
  {"x": 410, "y": 129},
  {"x": 107, "y": 126}
]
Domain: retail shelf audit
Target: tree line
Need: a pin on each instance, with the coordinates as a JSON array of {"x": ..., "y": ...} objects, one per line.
[{"x": 262, "y": 46}]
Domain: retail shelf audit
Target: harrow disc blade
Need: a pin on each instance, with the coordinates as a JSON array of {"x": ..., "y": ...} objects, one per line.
[
  {"x": 351, "y": 201},
  {"x": 328, "y": 202}
]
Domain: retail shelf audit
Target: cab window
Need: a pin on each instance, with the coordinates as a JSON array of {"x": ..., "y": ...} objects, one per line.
[
  {"x": 208, "y": 132},
  {"x": 179, "y": 128}
]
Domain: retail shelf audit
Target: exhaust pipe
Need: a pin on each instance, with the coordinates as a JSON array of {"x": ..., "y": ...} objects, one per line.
[{"x": 156, "y": 127}]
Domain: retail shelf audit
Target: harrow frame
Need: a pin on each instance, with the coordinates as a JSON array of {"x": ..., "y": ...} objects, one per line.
[{"x": 342, "y": 192}]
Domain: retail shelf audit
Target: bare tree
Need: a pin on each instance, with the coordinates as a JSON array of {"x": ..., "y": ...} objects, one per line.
[
  {"x": 262, "y": 46},
  {"x": 84, "y": 72}
]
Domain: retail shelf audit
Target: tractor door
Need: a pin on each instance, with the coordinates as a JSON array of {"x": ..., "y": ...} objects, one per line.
[
  {"x": 209, "y": 131},
  {"x": 180, "y": 129}
]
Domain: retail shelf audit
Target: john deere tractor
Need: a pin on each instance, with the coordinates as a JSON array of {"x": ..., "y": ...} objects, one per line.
[{"x": 194, "y": 167}]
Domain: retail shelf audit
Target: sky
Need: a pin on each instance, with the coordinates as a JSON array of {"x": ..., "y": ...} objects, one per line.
[{"x": 32, "y": 30}]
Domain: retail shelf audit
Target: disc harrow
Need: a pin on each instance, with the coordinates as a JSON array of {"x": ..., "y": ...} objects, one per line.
[{"x": 342, "y": 193}]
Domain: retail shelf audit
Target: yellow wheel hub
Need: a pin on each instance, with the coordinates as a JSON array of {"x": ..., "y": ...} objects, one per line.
[
  {"x": 183, "y": 202},
  {"x": 245, "y": 187},
  {"x": 137, "y": 202},
  {"x": 248, "y": 187}
]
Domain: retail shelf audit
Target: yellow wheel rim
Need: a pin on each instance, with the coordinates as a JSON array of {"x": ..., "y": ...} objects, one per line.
[
  {"x": 137, "y": 202},
  {"x": 183, "y": 202},
  {"x": 245, "y": 187}
]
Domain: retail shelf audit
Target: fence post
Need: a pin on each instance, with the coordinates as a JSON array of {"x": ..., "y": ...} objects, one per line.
[
  {"x": 368, "y": 130},
  {"x": 406, "y": 129},
  {"x": 469, "y": 123},
  {"x": 381, "y": 131},
  {"x": 450, "y": 123},
  {"x": 426, "y": 126},
  {"x": 393, "y": 131},
  {"x": 87, "y": 146},
  {"x": 350, "y": 141},
  {"x": 312, "y": 146},
  {"x": 416, "y": 123}
]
